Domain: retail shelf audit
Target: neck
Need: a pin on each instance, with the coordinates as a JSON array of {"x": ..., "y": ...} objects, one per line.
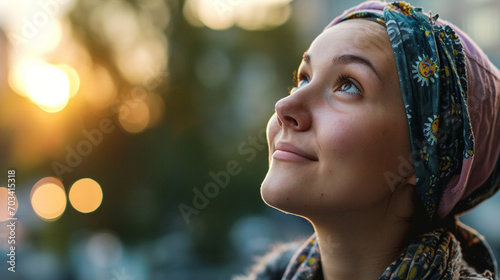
[{"x": 359, "y": 245}]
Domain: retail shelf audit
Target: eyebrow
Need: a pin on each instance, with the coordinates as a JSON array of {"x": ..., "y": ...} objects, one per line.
[
  {"x": 306, "y": 57},
  {"x": 348, "y": 59}
]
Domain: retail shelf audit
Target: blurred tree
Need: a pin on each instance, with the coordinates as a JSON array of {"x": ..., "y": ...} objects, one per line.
[{"x": 202, "y": 129}]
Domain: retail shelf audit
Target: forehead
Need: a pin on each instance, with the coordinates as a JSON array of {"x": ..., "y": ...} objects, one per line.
[
  {"x": 356, "y": 36},
  {"x": 359, "y": 33}
]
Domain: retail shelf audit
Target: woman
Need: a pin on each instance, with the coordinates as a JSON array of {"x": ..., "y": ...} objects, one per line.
[{"x": 392, "y": 131}]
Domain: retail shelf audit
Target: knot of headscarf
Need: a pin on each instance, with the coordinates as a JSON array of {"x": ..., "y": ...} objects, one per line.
[
  {"x": 431, "y": 64},
  {"x": 439, "y": 254}
]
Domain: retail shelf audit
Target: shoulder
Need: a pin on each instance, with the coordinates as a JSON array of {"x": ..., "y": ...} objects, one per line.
[{"x": 272, "y": 265}]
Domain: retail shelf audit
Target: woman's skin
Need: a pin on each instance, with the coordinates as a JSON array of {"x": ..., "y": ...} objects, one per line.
[{"x": 333, "y": 141}]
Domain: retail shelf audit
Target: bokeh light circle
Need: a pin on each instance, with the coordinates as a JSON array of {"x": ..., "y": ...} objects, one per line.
[
  {"x": 48, "y": 198},
  {"x": 104, "y": 249},
  {"x": 134, "y": 116},
  {"x": 85, "y": 195},
  {"x": 249, "y": 15}
]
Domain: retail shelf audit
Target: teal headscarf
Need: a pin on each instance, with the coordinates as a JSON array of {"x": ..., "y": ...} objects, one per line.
[
  {"x": 431, "y": 67},
  {"x": 451, "y": 93}
]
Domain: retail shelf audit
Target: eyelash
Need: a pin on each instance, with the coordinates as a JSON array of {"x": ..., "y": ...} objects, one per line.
[
  {"x": 342, "y": 79},
  {"x": 297, "y": 78}
]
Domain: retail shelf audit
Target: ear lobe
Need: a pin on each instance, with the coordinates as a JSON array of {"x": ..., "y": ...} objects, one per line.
[{"x": 411, "y": 179}]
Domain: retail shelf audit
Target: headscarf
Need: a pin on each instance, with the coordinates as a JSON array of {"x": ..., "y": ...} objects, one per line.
[{"x": 451, "y": 93}]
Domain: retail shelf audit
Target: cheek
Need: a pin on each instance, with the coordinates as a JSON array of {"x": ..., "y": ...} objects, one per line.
[
  {"x": 350, "y": 177},
  {"x": 362, "y": 148},
  {"x": 350, "y": 138}
]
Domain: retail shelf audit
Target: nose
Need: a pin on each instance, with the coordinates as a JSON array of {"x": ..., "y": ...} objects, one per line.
[{"x": 293, "y": 113}]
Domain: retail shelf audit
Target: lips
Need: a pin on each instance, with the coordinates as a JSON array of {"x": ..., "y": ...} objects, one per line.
[{"x": 289, "y": 152}]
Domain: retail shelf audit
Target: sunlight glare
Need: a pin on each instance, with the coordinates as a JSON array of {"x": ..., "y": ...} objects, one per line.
[
  {"x": 17, "y": 75},
  {"x": 47, "y": 86},
  {"x": 74, "y": 79}
]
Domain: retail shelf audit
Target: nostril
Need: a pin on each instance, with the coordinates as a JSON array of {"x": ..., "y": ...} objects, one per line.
[
  {"x": 292, "y": 120},
  {"x": 292, "y": 112}
]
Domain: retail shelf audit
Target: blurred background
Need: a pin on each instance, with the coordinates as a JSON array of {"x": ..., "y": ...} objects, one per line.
[{"x": 136, "y": 131}]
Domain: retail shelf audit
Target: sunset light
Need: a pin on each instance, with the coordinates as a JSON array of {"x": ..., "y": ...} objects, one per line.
[{"x": 48, "y": 86}]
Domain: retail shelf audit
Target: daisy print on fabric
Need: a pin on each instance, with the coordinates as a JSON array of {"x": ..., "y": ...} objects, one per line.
[
  {"x": 394, "y": 35},
  {"x": 431, "y": 129},
  {"x": 424, "y": 70}
]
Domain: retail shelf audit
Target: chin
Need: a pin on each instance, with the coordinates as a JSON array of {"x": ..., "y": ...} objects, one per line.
[
  {"x": 275, "y": 192},
  {"x": 278, "y": 192}
]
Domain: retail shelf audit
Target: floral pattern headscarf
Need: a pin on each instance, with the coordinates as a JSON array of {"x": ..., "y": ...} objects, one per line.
[
  {"x": 451, "y": 93},
  {"x": 450, "y": 89}
]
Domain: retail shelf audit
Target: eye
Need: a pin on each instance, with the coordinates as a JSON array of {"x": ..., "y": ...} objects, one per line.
[
  {"x": 303, "y": 81},
  {"x": 347, "y": 86},
  {"x": 350, "y": 88}
]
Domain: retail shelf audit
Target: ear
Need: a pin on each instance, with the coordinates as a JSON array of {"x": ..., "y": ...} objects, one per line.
[
  {"x": 410, "y": 179},
  {"x": 404, "y": 196}
]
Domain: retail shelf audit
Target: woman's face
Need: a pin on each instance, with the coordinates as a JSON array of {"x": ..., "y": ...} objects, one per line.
[{"x": 336, "y": 138}]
